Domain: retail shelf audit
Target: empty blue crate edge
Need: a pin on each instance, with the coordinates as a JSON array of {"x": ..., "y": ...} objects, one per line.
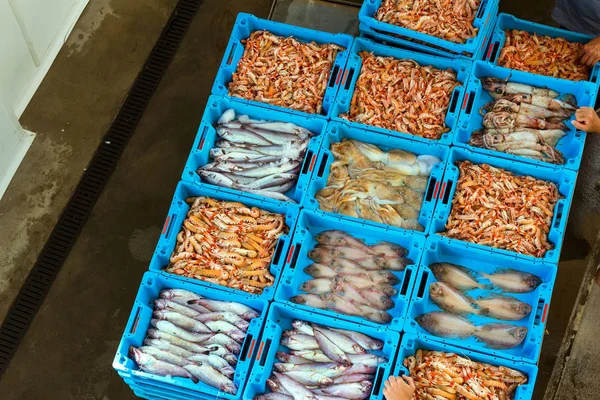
[
  {"x": 337, "y": 132},
  {"x": 280, "y": 318},
  {"x": 485, "y": 15},
  {"x": 139, "y": 323},
  {"x": 571, "y": 145},
  {"x": 245, "y": 24},
  {"x": 563, "y": 179},
  {"x": 438, "y": 259},
  {"x": 207, "y": 138},
  {"x": 344, "y": 97},
  {"x": 310, "y": 225},
  {"x": 411, "y": 343},
  {"x": 510, "y": 22},
  {"x": 178, "y": 213}
]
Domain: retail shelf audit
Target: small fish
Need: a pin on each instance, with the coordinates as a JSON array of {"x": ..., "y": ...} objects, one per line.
[
  {"x": 341, "y": 238},
  {"x": 172, "y": 329},
  {"x": 353, "y": 391},
  {"x": 309, "y": 378},
  {"x": 150, "y": 364},
  {"x": 227, "y": 316},
  {"x": 362, "y": 339},
  {"x": 501, "y": 336},
  {"x": 207, "y": 374},
  {"x": 300, "y": 342},
  {"x": 225, "y": 341},
  {"x": 368, "y": 360},
  {"x": 274, "y": 396},
  {"x": 303, "y": 327},
  {"x": 291, "y": 359},
  {"x": 223, "y": 352},
  {"x": 326, "y": 369},
  {"x": 168, "y": 305},
  {"x": 187, "y": 323},
  {"x": 390, "y": 250},
  {"x": 225, "y": 327},
  {"x": 348, "y": 345},
  {"x": 163, "y": 355},
  {"x": 178, "y": 294},
  {"x": 240, "y": 309},
  {"x": 329, "y": 348},
  {"x": 297, "y": 390},
  {"x": 514, "y": 281},
  {"x": 275, "y": 386},
  {"x": 312, "y": 355},
  {"x": 353, "y": 378},
  {"x": 358, "y": 368},
  {"x": 177, "y": 341},
  {"x": 450, "y": 299},
  {"x": 446, "y": 325},
  {"x": 167, "y": 346},
  {"x": 459, "y": 277},
  {"x": 317, "y": 270},
  {"x": 317, "y": 286},
  {"x": 350, "y": 253},
  {"x": 310, "y": 300},
  {"x": 218, "y": 363},
  {"x": 377, "y": 298},
  {"x": 503, "y": 307}
]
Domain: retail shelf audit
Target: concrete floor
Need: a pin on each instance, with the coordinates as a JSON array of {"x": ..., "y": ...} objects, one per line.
[{"x": 68, "y": 351}]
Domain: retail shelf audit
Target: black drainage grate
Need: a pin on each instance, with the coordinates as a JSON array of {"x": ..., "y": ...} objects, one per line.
[{"x": 75, "y": 214}]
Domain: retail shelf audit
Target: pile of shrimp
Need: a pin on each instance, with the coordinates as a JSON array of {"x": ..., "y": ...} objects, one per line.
[
  {"x": 543, "y": 55},
  {"x": 402, "y": 96},
  {"x": 440, "y": 375},
  {"x": 451, "y": 20},
  {"x": 228, "y": 244},
  {"x": 493, "y": 207},
  {"x": 284, "y": 72}
]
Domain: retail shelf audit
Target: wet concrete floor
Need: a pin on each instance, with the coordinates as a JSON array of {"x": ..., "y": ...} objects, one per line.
[{"x": 68, "y": 351}]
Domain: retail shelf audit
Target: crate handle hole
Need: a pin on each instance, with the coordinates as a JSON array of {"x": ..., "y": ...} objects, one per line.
[{"x": 230, "y": 56}]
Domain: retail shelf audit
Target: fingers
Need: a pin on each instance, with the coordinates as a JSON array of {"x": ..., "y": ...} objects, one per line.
[
  {"x": 580, "y": 126},
  {"x": 591, "y": 53},
  {"x": 409, "y": 381}
]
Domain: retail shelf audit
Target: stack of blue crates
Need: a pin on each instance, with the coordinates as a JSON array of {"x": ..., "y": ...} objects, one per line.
[{"x": 402, "y": 336}]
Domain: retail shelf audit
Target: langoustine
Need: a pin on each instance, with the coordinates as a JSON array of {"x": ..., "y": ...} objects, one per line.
[
  {"x": 228, "y": 244},
  {"x": 402, "y": 96},
  {"x": 284, "y": 71}
]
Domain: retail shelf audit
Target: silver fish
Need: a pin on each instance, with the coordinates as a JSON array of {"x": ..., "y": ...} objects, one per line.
[
  {"x": 272, "y": 194},
  {"x": 348, "y": 345},
  {"x": 227, "y": 316},
  {"x": 273, "y": 396},
  {"x": 455, "y": 276},
  {"x": 291, "y": 359},
  {"x": 225, "y": 327},
  {"x": 503, "y": 307},
  {"x": 310, "y": 300},
  {"x": 362, "y": 339},
  {"x": 218, "y": 363},
  {"x": 172, "y": 329},
  {"x": 312, "y": 355},
  {"x": 358, "y": 368},
  {"x": 326, "y": 369},
  {"x": 238, "y": 135},
  {"x": 177, "y": 341},
  {"x": 240, "y": 309},
  {"x": 178, "y": 295},
  {"x": 308, "y": 378},
  {"x": 297, "y": 390},
  {"x": 164, "y": 355},
  {"x": 150, "y": 364},
  {"x": 225, "y": 341},
  {"x": 223, "y": 352},
  {"x": 167, "y": 346},
  {"x": 353, "y": 391},
  {"x": 369, "y": 360},
  {"x": 187, "y": 323},
  {"x": 275, "y": 386},
  {"x": 300, "y": 342},
  {"x": 501, "y": 336},
  {"x": 303, "y": 327},
  {"x": 329, "y": 348},
  {"x": 168, "y": 305},
  {"x": 446, "y": 325},
  {"x": 450, "y": 299},
  {"x": 353, "y": 378},
  {"x": 514, "y": 281},
  {"x": 210, "y": 376},
  {"x": 317, "y": 286}
]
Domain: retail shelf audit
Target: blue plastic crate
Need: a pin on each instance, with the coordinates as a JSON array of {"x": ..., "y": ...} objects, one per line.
[
  {"x": 563, "y": 178},
  {"x": 338, "y": 131},
  {"x": 310, "y": 223},
  {"x": 406, "y": 43},
  {"x": 245, "y": 24},
  {"x": 440, "y": 251},
  {"x": 507, "y": 22},
  {"x": 471, "y": 120},
  {"x": 411, "y": 343},
  {"x": 344, "y": 97},
  {"x": 138, "y": 325},
  {"x": 488, "y": 9},
  {"x": 280, "y": 318},
  {"x": 178, "y": 213},
  {"x": 207, "y": 136}
]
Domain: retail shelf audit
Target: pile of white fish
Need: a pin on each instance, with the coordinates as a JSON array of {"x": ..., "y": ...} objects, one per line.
[
  {"x": 447, "y": 294},
  {"x": 524, "y": 120},
  {"x": 194, "y": 338},
  {"x": 351, "y": 277},
  {"x": 323, "y": 364},
  {"x": 255, "y": 156}
]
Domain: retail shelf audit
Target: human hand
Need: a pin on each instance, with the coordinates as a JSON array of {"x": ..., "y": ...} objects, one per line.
[
  {"x": 398, "y": 389},
  {"x": 590, "y": 53},
  {"x": 587, "y": 120}
]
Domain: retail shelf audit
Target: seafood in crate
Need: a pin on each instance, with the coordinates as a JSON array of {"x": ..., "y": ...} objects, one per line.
[
  {"x": 256, "y": 156},
  {"x": 448, "y": 375},
  {"x": 284, "y": 72},
  {"x": 382, "y": 186},
  {"x": 194, "y": 337},
  {"x": 227, "y": 243},
  {"x": 544, "y": 55},
  {"x": 402, "y": 95},
  {"x": 324, "y": 362},
  {"x": 452, "y": 22},
  {"x": 524, "y": 120},
  {"x": 494, "y": 207},
  {"x": 352, "y": 278}
]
